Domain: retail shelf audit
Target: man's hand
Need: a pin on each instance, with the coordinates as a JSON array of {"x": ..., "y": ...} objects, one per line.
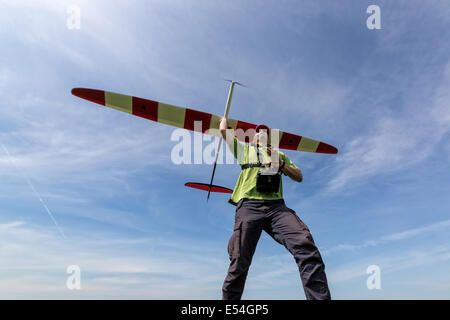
[
  {"x": 223, "y": 127},
  {"x": 275, "y": 159}
]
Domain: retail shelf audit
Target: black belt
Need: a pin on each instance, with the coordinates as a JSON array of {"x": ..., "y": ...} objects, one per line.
[{"x": 250, "y": 165}]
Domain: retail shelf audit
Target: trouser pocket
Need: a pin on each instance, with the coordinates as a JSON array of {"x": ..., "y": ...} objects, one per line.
[
  {"x": 302, "y": 224},
  {"x": 234, "y": 244}
]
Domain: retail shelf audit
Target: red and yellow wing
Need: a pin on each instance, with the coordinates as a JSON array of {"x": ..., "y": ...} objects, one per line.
[{"x": 185, "y": 117}]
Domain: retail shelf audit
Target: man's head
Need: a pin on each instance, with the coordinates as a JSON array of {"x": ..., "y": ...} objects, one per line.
[{"x": 262, "y": 135}]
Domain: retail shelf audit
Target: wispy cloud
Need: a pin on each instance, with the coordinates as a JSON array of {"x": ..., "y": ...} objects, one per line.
[
  {"x": 402, "y": 235},
  {"x": 34, "y": 264},
  {"x": 391, "y": 263},
  {"x": 397, "y": 142}
]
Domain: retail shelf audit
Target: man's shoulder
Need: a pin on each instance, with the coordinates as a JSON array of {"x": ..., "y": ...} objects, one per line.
[
  {"x": 282, "y": 154},
  {"x": 286, "y": 158}
]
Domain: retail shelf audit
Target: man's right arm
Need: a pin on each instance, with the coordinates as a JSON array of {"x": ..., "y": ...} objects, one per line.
[
  {"x": 237, "y": 148},
  {"x": 223, "y": 127}
]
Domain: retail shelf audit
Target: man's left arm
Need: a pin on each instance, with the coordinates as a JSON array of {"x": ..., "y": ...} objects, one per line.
[
  {"x": 292, "y": 172},
  {"x": 287, "y": 166}
]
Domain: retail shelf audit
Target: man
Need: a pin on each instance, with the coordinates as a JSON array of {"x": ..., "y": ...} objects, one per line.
[{"x": 260, "y": 206}]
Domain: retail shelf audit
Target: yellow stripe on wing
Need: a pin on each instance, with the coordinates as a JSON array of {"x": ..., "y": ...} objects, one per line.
[
  {"x": 171, "y": 115},
  {"x": 307, "y": 144},
  {"x": 119, "y": 102}
]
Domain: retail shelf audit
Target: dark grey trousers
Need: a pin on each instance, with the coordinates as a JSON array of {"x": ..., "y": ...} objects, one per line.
[{"x": 283, "y": 225}]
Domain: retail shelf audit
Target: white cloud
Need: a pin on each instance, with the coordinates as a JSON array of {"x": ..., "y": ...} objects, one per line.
[
  {"x": 35, "y": 261},
  {"x": 397, "y": 142},
  {"x": 402, "y": 235},
  {"x": 406, "y": 104},
  {"x": 390, "y": 263},
  {"x": 417, "y": 231}
]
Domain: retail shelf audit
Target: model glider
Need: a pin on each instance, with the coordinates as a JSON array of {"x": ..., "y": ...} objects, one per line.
[{"x": 185, "y": 118}]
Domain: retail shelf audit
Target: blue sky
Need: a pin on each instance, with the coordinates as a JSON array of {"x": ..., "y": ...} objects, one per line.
[{"x": 312, "y": 67}]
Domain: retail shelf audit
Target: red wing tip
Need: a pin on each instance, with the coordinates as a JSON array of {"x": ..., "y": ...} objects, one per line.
[
  {"x": 333, "y": 150},
  {"x": 326, "y": 148},
  {"x": 93, "y": 95},
  {"x": 77, "y": 91}
]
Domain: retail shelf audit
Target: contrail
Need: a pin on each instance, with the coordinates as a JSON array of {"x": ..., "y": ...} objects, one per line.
[{"x": 11, "y": 159}]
